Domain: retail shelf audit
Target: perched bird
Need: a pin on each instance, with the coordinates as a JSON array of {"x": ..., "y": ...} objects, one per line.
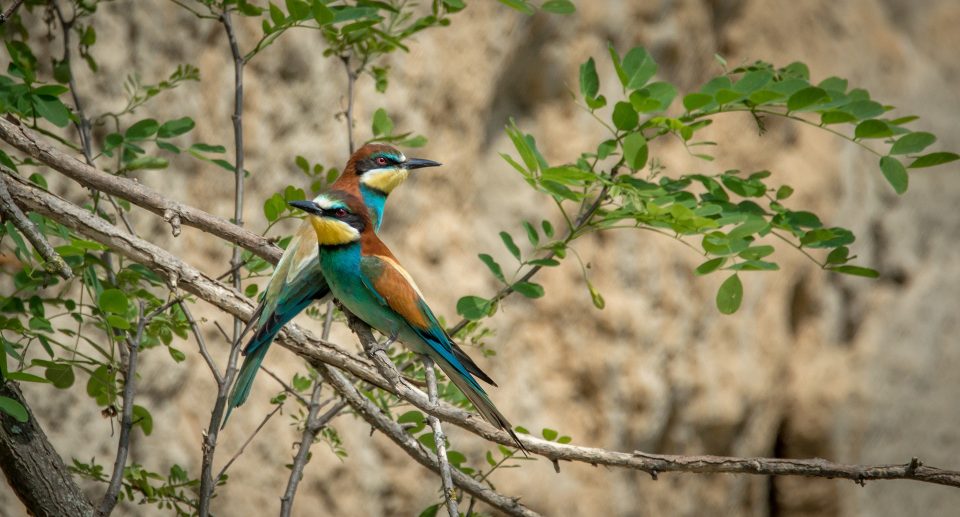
[
  {"x": 371, "y": 174},
  {"x": 369, "y": 282}
]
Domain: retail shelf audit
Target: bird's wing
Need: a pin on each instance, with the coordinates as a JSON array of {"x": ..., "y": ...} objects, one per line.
[
  {"x": 295, "y": 282},
  {"x": 393, "y": 287}
]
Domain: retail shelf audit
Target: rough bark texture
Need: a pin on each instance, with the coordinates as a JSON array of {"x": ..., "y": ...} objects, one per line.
[
  {"x": 33, "y": 468},
  {"x": 852, "y": 370}
]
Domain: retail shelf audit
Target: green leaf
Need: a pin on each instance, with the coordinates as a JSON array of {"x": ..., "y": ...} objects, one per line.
[
  {"x": 756, "y": 252},
  {"x": 276, "y": 15},
  {"x": 784, "y": 192},
  {"x": 142, "y": 129},
  {"x": 142, "y": 418},
  {"x": 382, "y": 125},
  {"x": 510, "y": 245},
  {"x": 520, "y": 5},
  {"x": 752, "y": 81},
  {"x": 321, "y": 13},
  {"x": 840, "y": 255},
  {"x": 730, "y": 294},
  {"x": 118, "y": 322},
  {"x": 60, "y": 375},
  {"x": 549, "y": 434},
  {"x": 638, "y": 67},
  {"x": 175, "y": 127},
  {"x": 635, "y": 150},
  {"x": 493, "y": 266},
  {"x": 532, "y": 234},
  {"x": 528, "y": 289},
  {"x": 856, "y": 271},
  {"x": 299, "y": 9},
  {"x": 624, "y": 116},
  {"x": 589, "y": 81},
  {"x": 146, "y": 162},
  {"x": 933, "y": 159},
  {"x": 177, "y": 355},
  {"x": 596, "y": 297},
  {"x": 913, "y": 143},
  {"x": 558, "y": 6},
  {"x": 207, "y": 148},
  {"x": 547, "y": 228},
  {"x": 52, "y": 109},
  {"x": 113, "y": 301},
  {"x": 806, "y": 97},
  {"x": 872, "y": 128},
  {"x": 544, "y": 262},
  {"x": 710, "y": 266},
  {"x": 695, "y": 101},
  {"x": 895, "y": 173},
  {"x": 473, "y": 307},
  {"x": 14, "y": 409}
]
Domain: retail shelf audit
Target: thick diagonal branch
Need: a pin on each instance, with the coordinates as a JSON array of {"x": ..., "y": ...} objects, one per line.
[
  {"x": 411, "y": 446},
  {"x": 174, "y": 212},
  {"x": 11, "y": 212},
  {"x": 317, "y": 351},
  {"x": 33, "y": 468}
]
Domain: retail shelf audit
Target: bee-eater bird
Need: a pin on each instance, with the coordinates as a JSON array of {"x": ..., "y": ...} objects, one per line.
[
  {"x": 369, "y": 282},
  {"x": 371, "y": 174}
]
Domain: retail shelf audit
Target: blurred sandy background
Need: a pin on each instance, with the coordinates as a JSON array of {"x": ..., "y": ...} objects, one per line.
[{"x": 813, "y": 364}]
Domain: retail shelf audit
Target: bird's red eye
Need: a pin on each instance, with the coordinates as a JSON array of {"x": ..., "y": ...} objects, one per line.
[
  {"x": 340, "y": 212},
  {"x": 381, "y": 160}
]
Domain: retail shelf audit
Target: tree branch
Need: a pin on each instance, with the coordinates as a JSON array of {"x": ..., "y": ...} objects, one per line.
[
  {"x": 369, "y": 412},
  {"x": 33, "y": 468},
  {"x": 320, "y": 352},
  {"x": 311, "y": 427},
  {"x": 174, "y": 212},
  {"x": 449, "y": 496},
  {"x": 11, "y": 212},
  {"x": 8, "y": 12}
]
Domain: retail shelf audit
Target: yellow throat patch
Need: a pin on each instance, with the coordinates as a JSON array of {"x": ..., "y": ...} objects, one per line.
[
  {"x": 331, "y": 232},
  {"x": 385, "y": 180}
]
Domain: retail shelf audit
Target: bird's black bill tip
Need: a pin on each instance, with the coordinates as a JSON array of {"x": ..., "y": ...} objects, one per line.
[
  {"x": 307, "y": 206},
  {"x": 419, "y": 163}
]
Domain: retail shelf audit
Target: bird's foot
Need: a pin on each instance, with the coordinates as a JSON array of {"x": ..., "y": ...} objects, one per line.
[{"x": 382, "y": 347}]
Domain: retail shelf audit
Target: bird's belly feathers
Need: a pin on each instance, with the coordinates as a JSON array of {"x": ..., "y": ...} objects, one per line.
[{"x": 347, "y": 285}]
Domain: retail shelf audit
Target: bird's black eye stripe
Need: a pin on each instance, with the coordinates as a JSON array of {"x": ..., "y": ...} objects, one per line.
[{"x": 338, "y": 213}]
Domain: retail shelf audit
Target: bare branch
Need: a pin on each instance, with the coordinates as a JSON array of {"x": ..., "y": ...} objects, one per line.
[
  {"x": 449, "y": 496},
  {"x": 8, "y": 12},
  {"x": 319, "y": 352},
  {"x": 248, "y": 440},
  {"x": 11, "y": 212},
  {"x": 311, "y": 428},
  {"x": 369, "y": 412},
  {"x": 28, "y": 142},
  {"x": 109, "y": 500},
  {"x": 33, "y": 468}
]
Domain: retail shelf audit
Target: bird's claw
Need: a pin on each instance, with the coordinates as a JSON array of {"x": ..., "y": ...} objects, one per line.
[{"x": 382, "y": 347}]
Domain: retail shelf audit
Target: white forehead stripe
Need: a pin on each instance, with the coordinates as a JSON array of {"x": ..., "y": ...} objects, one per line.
[{"x": 327, "y": 203}]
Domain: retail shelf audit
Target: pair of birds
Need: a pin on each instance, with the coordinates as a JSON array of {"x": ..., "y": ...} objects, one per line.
[{"x": 336, "y": 252}]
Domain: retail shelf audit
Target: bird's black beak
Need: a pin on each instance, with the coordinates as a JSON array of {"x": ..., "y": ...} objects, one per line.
[
  {"x": 418, "y": 163},
  {"x": 307, "y": 206}
]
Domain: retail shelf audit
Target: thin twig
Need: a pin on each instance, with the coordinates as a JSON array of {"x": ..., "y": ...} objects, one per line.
[
  {"x": 11, "y": 212},
  {"x": 581, "y": 221},
  {"x": 109, "y": 500},
  {"x": 320, "y": 353},
  {"x": 8, "y": 12},
  {"x": 351, "y": 79},
  {"x": 248, "y": 440},
  {"x": 311, "y": 428},
  {"x": 286, "y": 387},
  {"x": 440, "y": 441},
  {"x": 201, "y": 343},
  {"x": 375, "y": 417},
  {"x": 207, "y": 482}
]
